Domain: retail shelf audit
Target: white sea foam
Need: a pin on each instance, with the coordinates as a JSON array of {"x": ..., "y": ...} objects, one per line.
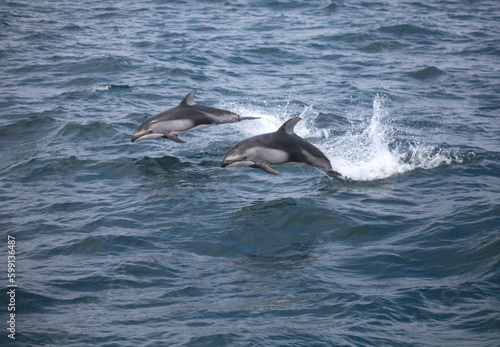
[
  {"x": 265, "y": 124},
  {"x": 363, "y": 152},
  {"x": 101, "y": 88},
  {"x": 369, "y": 149},
  {"x": 271, "y": 120}
]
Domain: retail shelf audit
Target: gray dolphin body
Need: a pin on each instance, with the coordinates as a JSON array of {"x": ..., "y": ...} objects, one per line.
[
  {"x": 187, "y": 116},
  {"x": 280, "y": 147}
]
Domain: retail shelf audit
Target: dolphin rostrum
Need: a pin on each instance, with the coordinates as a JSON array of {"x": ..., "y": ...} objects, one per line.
[
  {"x": 187, "y": 116},
  {"x": 280, "y": 147}
]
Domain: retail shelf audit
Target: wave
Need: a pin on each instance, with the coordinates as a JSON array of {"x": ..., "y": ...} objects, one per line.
[
  {"x": 409, "y": 29},
  {"x": 429, "y": 72}
]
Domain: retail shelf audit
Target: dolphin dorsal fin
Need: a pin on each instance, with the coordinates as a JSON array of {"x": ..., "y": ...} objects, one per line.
[
  {"x": 288, "y": 126},
  {"x": 189, "y": 99}
]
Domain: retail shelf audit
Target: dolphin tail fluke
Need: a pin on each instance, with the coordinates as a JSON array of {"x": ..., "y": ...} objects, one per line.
[{"x": 174, "y": 138}]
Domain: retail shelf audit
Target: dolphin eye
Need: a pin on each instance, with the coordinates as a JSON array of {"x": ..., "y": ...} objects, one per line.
[{"x": 245, "y": 157}]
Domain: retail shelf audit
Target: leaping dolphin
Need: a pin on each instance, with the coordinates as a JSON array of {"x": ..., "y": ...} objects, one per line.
[
  {"x": 187, "y": 116},
  {"x": 280, "y": 147}
]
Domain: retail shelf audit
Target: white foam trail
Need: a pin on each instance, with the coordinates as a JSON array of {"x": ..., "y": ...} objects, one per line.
[
  {"x": 306, "y": 128},
  {"x": 100, "y": 88},
  {"x": 265, "y": 124},
  {"x": 270, "y": 122}
]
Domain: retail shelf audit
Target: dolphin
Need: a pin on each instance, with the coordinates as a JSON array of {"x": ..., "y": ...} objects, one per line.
[
  {"x": 185, "y": 117},
  {"x": 280, "y": 147}
]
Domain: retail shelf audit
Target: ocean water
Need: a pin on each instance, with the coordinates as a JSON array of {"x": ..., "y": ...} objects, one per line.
[{"x": 154, "y": 244}]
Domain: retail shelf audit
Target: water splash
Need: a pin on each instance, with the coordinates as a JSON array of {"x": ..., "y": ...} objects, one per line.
[
  {"x": 370, "y": 150},
  {"x": 271, "y": 119},
  {"x": 363, "y": 152},
  {"x": 265, "y": 124}
]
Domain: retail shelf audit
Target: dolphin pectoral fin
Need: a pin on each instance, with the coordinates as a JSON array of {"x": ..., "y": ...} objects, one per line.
[
  {"x": 267, "y": 168},
  {"x": 174, "y": 138}
]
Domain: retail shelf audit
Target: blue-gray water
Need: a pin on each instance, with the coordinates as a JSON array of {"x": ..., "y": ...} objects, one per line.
[{"x": 154, "y": 244}]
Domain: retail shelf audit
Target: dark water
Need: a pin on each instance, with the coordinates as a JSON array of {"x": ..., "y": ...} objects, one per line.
[{"x": 154, "y": 244}]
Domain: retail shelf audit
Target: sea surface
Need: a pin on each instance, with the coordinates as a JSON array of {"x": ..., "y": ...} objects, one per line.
[{"x": 154, "y": 244}]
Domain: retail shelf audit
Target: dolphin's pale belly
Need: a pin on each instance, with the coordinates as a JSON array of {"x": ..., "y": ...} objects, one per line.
[
  {"x": 178, "y": 125},
  {"x": 201, "y": 126},
  {"x": 272, "y": 156},
  {"x": 182, "y": 126}
]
